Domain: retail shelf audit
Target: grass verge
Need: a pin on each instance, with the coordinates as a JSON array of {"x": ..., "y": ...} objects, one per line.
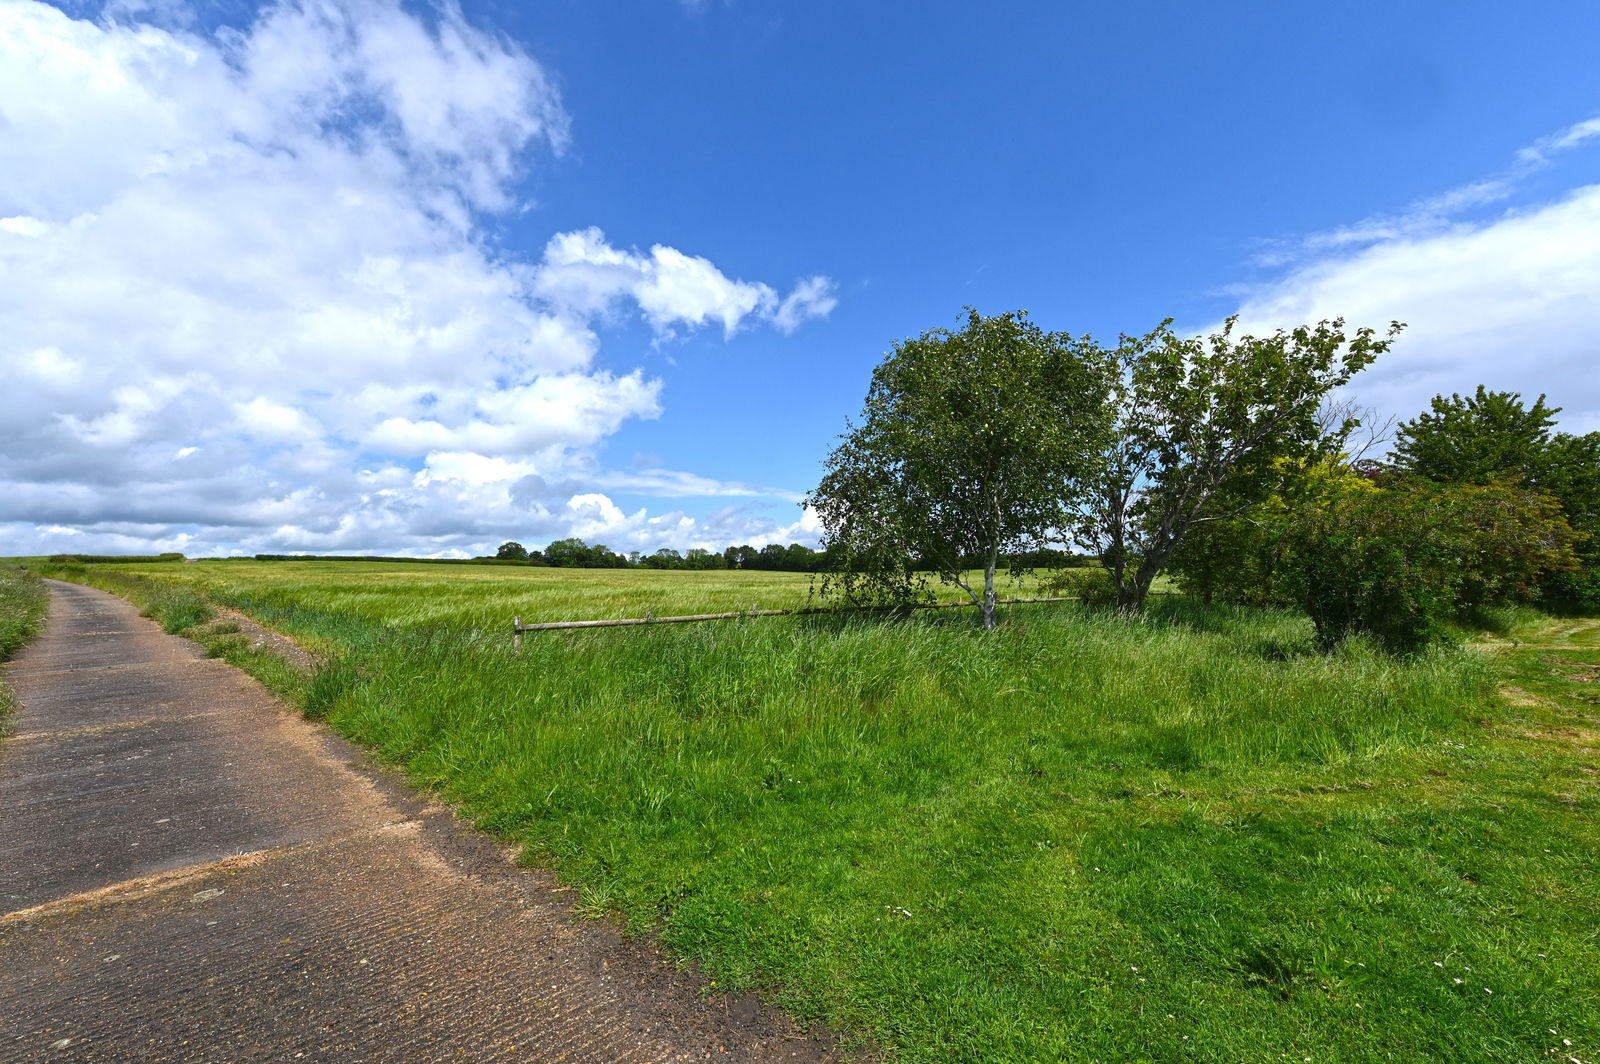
[
  {"x": 1076, "y": 838},
  {"x": 23, "y": 604},
  {"x": 181, "y": 609}
]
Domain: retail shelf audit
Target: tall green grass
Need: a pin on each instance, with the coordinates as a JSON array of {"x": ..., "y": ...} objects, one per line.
[
  {"x": 1189, "y": 837},
  {"x": 963, "y": 845},
  {"x": 23, "y": 604}
]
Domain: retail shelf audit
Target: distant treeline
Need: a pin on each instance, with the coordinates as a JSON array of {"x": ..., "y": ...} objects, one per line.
[
  {"x": 576, "y": 554},
  {"x": 111, "y": 559},
  {"x": 370, "y": 558},
  {"x": 774, "y": 557}
]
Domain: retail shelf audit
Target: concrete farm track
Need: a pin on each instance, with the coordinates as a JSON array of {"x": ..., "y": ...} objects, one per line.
[{"x": 190, "y": 872}]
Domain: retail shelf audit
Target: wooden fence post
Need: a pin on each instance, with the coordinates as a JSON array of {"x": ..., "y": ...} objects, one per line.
[{"x": 516, "y": 639}]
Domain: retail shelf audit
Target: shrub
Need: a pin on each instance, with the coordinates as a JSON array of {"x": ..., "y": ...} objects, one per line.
[
  {"x": 1401, "y": 563},
  {"x": 1093, "y": 586}
]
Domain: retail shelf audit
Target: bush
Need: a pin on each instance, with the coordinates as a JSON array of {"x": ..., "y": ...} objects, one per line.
[
  {"x": 1093, "y": 586},
  {"x": 1402, "y": 563}
]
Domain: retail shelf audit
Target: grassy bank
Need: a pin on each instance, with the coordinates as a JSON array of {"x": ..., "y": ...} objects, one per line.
[
  {"x": 1076, "y": 838},
  {"x": 23, "y": 602}
]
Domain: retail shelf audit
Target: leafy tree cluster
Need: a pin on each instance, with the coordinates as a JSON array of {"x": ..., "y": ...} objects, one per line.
[
  {"x": 1481, "y": 505},
  {"x": 1492, "y": 437},
  {"x": 973, "y": 446},
  {"x": 574, "y": 553},
  {"x": 795, "y": 558},
  {"x": 991, "y": 441},
  {"x": 1376, "y": 551},
  {"x": 1203, "y": 431}
]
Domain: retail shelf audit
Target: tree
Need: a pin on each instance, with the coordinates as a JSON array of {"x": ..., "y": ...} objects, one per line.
[
  {"x": 512, "y": 551},
  {"x": 700, "y": 558},
  {"x": 567, "y": 553},
  {"x": 969, "y": 445},
  {"x": 574, "y": 553},
  {"x": 1490, "y": 436},
  {"x": 1571, "y": 472},
  {"x": 799, "y": 558},
  {"x": 1494, "y": 436},
  {"x": 1243, "y": 559},
  {"x": 1203, "y": 428},
  {"x": 665, "y": 558},
  {"x": 1393, "y": 556}
]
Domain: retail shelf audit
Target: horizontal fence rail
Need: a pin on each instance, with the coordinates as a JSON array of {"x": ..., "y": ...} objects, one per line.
[{"x": 517, "y": 627}]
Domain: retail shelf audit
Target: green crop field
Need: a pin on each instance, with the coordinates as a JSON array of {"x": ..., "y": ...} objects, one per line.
[
  {"x": 1185, "y": 838},
  {"x": 487, "y": 597}
]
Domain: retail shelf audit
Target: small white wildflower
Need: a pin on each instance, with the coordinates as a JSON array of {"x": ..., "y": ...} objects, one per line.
[
  {"x": 1486, "y": 990},
  {"x": 1460, "y": 981},
  {"x": 1438, "y": 964}
]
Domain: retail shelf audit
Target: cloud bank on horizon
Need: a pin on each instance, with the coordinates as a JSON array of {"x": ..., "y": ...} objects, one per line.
[
  {"x": 250, "y": 305},
  {"x": 1504, "y": 296}
]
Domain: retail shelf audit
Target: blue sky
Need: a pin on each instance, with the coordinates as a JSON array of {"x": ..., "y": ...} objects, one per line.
[{"x": 337, "y": 321}]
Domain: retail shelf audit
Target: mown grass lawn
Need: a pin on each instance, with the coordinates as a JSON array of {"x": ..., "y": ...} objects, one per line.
[{"x": 1075, "y": 838}]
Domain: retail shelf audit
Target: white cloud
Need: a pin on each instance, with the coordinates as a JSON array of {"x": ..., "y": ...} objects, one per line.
[
  {"x": 249, "y": 304},
  {"x": 582, "y": 271},
  {"x": 1508, "y": 303},
  {"x": 1541, "y": 150},
  {"x": 1434, "y": 214},
  {"x": 812, "y": 298},
  {"x": 671, "y": 483}
]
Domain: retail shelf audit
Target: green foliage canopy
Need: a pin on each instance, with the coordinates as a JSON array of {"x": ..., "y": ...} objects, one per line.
[
  {"x": 1490, "y": 436},
  {"x": 971, "y": 445},
  {"x": 1494, "y": 436},
  {"x": 1395, "y": 557},
  {"x": 1203, "y": 428}
]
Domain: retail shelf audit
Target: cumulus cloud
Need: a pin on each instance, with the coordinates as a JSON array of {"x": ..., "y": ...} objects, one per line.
[
  {"x": 250, "y": 304},
  {"x": 583, "y": 271},
  {"x": 1507, "y": 301}
]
